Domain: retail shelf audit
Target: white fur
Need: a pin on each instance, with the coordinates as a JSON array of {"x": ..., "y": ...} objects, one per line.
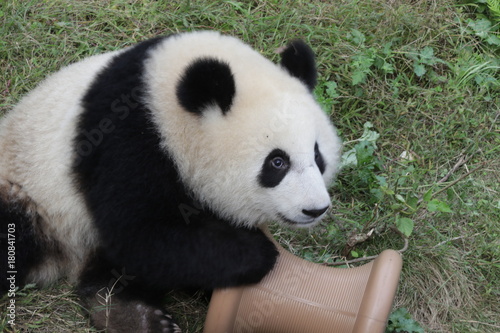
[{"x": 36, "y": 152}]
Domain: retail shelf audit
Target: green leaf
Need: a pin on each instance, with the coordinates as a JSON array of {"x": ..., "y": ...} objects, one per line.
[
  {"x": 419, "y": 70},
  {"x": 377, "y": 193},
  {"x": 387, "y": 49},
  {"x": 405, "y": 225},
  {"x": 400, "y": 321},
  {"x": 365, "y": 61},
  {"x": 381, "y": 181},
  {"x": 427, "y": 54},
  {"x": 450, "y": 194},
  {"x": 387, "y": 68},
  {"x": 364, "y": 152},
  {"x": 358, "y": 77},
  {"x": 481, "y": 27},
  {"x": 387, "y": 190},
  {"x": 436, "y": 205},
  {"x": 356, "y": 36},
  {"x": 325, "y": 95},
  {"x": 412, "y": 201},
  {"x": 349, "y": 159},
  {"x": 492, "y": 40},
  {"x": 428, "y": 195},
  {"x": 400, "y": 198},
  {"x": 396, "y": 207},
  {"x": 331, "y": 89},
  {"x": 369, "y": 134}
]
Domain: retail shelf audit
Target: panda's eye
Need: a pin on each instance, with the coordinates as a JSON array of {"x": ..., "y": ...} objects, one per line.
[
  {"x": 275, "y": 168},
  {"x": 320, "y": 162},
  {"x": 279, "y": 163}
]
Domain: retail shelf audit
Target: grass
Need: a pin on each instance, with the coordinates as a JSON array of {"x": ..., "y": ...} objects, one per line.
[{"x": 422, "y": 72}]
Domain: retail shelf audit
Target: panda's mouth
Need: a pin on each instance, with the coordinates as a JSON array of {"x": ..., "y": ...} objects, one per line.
[{"x": 303, "y": 223}]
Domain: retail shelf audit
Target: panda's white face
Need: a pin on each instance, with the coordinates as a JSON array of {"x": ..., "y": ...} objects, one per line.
[
  {"x": 299, "y": 160},
  {"x": 247, "y": 136}
]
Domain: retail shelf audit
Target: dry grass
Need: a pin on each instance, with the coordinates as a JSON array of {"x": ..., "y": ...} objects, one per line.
[{"x": 437, "y": 293}]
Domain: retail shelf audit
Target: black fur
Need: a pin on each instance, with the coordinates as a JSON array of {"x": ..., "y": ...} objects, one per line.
[
  {"x": 318, "y": 157},
  {"x": 19, "y": 232},
  {"x": 206, "y": 82},
  {"x": 103, "y": 286},
  {"x": 298, "y": 59},
  {"x": 149, "y": 227},
  {"x": 274, "y": 169}
]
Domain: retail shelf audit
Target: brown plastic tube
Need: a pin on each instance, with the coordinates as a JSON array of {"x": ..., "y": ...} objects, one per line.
[{"x": 298, "y": 296}]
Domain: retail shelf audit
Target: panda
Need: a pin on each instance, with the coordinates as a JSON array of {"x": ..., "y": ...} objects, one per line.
[{"x": 151, "y": 168}]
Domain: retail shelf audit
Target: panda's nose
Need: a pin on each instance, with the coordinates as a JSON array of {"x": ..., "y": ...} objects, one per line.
[{"x": 314, "y": 212}]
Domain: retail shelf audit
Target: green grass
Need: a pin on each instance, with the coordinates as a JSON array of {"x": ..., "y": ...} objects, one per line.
[{"x": 424, "y": 73}]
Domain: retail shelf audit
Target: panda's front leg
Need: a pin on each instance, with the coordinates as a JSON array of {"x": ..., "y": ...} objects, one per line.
[
  {"x": 206, "y": 253},
  {"x": 224, "y": 255},
  {"x": 124, "y": 282},
  {"x": 116, "y": 302}
]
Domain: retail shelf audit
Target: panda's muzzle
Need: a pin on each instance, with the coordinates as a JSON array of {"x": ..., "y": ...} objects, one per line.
[{"x": 309, "y": 217}]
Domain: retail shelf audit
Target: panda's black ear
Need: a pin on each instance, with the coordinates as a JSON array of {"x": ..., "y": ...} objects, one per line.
[
  {"x": 206, "y": 82},
  {"x": 298, "y": 59}
]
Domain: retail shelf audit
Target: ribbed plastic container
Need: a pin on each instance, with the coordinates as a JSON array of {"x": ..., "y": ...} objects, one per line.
[{"x": 298, "y": 296}]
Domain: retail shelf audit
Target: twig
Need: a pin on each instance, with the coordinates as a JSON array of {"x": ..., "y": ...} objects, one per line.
[
  {"x": 352, "y": 261},
  {"x": 460, "y": 178},
  {"x": 461, "y": 161},
  {"x": 405, "y": 247},
  {"x": 453, "y": 239}
]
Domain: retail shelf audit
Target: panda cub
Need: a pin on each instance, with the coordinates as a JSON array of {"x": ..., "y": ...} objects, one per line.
[{"x": 149, "y": 169}]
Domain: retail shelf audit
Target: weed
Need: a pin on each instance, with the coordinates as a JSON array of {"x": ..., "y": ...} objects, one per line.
[
  {"x": 400, "y": 321},
  {"x": 486, "y": 21}
]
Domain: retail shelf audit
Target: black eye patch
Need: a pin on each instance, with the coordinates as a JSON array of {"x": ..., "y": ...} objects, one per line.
[
  {"x": 318, "y": 158},
  {"x": 274, "y": 168}
]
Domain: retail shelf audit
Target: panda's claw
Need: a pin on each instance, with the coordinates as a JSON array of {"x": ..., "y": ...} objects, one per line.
[
  {"x": 132, "y": 317},
  {"x": 166, "y": 322}
]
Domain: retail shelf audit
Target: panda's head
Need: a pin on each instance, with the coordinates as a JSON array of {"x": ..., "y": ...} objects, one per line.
[{"x": 248, "y": 138}]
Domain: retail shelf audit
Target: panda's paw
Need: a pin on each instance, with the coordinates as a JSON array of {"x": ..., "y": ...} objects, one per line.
[
  {"x": 167, "y": 324},
  {"x": 150, "y": 319},
  {"x": 134, "y": 317}
]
